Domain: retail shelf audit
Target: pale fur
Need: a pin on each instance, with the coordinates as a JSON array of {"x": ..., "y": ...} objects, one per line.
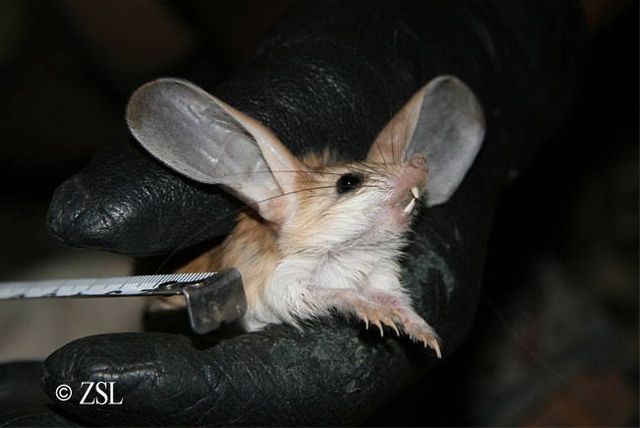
[{"x": 334, "y": 242}]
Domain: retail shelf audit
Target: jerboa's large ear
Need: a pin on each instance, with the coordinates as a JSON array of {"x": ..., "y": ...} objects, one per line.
[
  {"x": 206, "y": 140},
  {"x": 444, "y": 122}
]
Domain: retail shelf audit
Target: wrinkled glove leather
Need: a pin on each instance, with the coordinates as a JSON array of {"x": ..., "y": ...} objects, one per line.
[{"x": 331, "y": 73}]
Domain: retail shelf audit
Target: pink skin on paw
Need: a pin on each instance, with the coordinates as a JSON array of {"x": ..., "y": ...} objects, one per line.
[{"x": 381, "y": 310}]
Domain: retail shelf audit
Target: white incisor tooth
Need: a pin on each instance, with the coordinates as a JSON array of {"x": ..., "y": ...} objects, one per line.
[
  {"x": 415, "y": 192},
  {"x": 409, "y": 206}
]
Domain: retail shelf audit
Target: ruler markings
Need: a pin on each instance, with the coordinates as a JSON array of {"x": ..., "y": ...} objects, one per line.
[{"x": 122, "y": 285}]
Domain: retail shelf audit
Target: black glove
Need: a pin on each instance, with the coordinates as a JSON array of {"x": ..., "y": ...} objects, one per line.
[{"x": 330, "y": 74}]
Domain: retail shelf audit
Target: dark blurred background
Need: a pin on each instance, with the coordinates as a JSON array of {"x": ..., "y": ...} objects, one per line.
[{"x": 556, "y": 336}]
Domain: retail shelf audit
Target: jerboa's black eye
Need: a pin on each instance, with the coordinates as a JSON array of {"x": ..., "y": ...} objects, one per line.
[{"x": 349, "y": 182}]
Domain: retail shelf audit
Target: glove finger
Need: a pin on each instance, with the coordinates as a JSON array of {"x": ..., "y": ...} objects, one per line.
[
  {"x": 279, "y": 376},
  {"x": 126, "y": 202}
]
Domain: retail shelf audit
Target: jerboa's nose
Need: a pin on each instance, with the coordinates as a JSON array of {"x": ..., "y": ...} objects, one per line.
[{"x": 418, "y": 161}]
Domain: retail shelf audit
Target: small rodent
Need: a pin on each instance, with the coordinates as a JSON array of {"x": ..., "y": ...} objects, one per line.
[{"x": 322, "y": 236}]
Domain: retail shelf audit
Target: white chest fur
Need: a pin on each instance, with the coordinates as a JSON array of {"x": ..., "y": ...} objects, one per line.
[{"x": 297, "y": 288}]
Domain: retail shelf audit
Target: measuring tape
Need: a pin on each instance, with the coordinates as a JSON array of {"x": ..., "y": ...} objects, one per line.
[{"x": 211, "y": 297}]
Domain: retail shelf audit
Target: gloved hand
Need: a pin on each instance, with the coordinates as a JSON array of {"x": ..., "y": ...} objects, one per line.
[{"x": 330, "y": 74}]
